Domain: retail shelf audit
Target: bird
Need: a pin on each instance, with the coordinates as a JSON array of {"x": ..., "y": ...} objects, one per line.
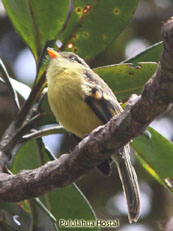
[{"x": 81, "y": 101}]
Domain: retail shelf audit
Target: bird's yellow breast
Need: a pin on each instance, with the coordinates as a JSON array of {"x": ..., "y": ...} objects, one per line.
[{"x": 66, "y": 98}]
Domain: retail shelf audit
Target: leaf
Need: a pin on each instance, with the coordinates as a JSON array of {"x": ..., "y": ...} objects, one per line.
[
  {"x": 95, "y": 24},
  {"x": 37, "y": 21},
  {"x": 27, "y": 157},
  {"x": 126, "y": 79},
  {"x": 155, "y": 153},
  {"x": 151, "y": 54},
  {"x": 68, "y": 203}
]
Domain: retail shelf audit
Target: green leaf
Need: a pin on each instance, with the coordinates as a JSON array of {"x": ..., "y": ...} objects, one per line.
[
  {"x": 27, "y": 157},
  {"x": 126, "y": 79},
  {"x": 37, "y": 21},
  {"x": 69, "y": 203},
  {"x": 151, "y": 54},
  {"x": 95, "y": 24},
  {"x": 155, "y": 154}
]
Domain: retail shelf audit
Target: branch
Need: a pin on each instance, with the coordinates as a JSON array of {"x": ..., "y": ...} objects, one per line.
[
  {"x": 44, "y": 132},
  {"x": 105, "y": 140}
]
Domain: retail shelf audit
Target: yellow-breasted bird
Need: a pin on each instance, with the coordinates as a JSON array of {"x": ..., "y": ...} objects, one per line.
[{"x": 81, "y": 101}]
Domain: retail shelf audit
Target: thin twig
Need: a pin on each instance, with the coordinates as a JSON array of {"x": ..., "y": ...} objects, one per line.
[{"x": 45, "y": 132}]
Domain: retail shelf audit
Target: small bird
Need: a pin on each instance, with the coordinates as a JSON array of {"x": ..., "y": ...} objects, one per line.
[{"x": 82, "y": 101}]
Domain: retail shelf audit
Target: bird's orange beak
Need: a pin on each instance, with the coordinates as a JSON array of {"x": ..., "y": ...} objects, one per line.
[{"x": 52, "y": 53}]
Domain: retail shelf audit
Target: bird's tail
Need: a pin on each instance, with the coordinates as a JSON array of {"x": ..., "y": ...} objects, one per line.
[{"x": 129, "y": 182}]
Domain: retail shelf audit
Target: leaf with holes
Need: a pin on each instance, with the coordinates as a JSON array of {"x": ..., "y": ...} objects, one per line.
[{"x": 95, "y": 24}]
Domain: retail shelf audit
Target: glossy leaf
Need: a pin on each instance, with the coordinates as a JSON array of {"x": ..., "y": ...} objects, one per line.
[
  {"x": 126, "y": 79},
  {"x": 37, "y": 21},
  {"x": 95, "y": 24},
  {"x": 151, "y": 54},
  {"x": 155, "y": 154}
]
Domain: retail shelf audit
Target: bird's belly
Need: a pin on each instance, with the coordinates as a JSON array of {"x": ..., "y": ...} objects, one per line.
[{"x": 72, "y": 112}]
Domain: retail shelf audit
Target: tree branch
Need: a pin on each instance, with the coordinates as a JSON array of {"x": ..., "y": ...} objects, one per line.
[
  {"x": 105, "y": 140},
  {"x": 44, "y": 132}
]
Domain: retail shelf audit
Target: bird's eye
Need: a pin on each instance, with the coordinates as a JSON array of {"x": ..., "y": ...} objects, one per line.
[{"x": 73, "y": 58}]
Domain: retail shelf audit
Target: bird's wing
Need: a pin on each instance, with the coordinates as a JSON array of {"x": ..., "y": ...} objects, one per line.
[
  {"x": 101, "y": 99},
  {"x": 104, "y": 105}
]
